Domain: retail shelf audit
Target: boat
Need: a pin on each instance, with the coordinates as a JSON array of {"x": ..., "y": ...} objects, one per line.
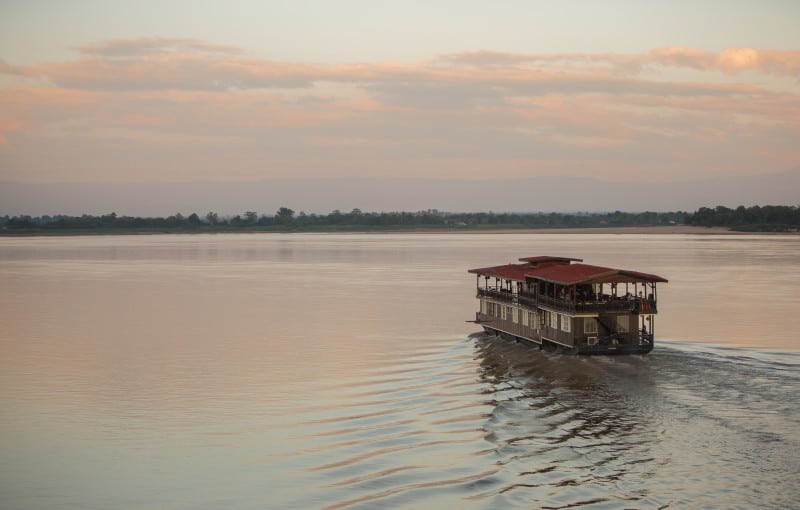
[{"x": 561, "y": 304}]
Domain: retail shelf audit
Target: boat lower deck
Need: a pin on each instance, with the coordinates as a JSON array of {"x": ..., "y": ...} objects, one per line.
[{"x": 604, "y": 348}]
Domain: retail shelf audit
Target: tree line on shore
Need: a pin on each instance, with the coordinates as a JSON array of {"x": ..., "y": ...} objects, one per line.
[
  {"x": 756, "y": 218},
  {"x": 767, "y": 218},
  {"x": 286, "y": 219}
]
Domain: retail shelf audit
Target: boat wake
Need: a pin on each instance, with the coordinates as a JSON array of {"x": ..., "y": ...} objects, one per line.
[{"x": 492, "y": 423}]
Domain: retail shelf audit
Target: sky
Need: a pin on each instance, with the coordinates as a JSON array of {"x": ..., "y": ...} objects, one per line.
[{"x": 199, "y": 91}]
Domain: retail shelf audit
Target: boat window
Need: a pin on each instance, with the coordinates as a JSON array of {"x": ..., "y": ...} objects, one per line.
[
  {"x": 590, "y": 326},
  {"x": 566, "y": 323}
]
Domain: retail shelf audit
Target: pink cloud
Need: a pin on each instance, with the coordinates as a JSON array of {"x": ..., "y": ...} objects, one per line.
[
  {"x": 731, "y": 60},
  {"x": 779, "y": 62},
  {"x": 480, "y": 107},
  {"x": 164, "y": 64},
  {"x": 164, "y": 71}
]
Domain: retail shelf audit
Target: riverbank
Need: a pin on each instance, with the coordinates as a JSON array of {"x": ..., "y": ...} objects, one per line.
[
  {"x": 634, "y": 230},
  {"x": 659, "y": 229}
]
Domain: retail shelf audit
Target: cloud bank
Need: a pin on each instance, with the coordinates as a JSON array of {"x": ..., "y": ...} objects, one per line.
[{"x": 156, "y": 109}]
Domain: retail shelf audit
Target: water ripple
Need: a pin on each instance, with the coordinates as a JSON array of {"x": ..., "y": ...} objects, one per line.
[{"x": 498, "y": 424}]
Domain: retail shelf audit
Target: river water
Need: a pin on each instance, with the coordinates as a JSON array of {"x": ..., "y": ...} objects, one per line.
[{"x": 337, "y": 371}]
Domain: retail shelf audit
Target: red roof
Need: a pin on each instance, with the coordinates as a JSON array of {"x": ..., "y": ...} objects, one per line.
[
  {"x": 507, "y": 272},
  {"x": 564, "y": 273},
  {"x": 570, "y": 274},
  {"x": 643, "y": 276}
]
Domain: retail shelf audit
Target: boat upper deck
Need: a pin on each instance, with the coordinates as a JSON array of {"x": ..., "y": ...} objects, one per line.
[{"x": 566, "y": 284}]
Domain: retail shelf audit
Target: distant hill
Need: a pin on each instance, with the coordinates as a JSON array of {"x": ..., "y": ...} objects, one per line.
[{"x": 554, "y": 193}]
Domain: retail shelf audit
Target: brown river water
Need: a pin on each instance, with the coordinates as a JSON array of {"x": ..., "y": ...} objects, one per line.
[{"x": 337, "y": 371}]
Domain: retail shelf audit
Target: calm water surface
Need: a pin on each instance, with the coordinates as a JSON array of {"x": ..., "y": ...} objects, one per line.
[{"x": 336, "y": 371}]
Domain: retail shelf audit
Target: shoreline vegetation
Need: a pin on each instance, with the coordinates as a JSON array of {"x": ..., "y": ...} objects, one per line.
[{"x": 719, "y": 220}]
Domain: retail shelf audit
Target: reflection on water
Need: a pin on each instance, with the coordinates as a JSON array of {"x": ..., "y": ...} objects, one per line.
[{"x": 336, "y": 371}]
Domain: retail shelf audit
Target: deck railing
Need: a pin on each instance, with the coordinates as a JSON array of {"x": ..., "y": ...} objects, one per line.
[
  {"x": 500, "y": 295},
  {"x": 605, "y": 304}
]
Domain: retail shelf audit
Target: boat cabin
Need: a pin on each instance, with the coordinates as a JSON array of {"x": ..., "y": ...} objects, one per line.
[{"x": 562, "y": 303}]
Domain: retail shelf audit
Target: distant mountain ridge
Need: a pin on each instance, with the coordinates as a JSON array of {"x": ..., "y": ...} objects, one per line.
[{"x": 551, "y": 193}]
